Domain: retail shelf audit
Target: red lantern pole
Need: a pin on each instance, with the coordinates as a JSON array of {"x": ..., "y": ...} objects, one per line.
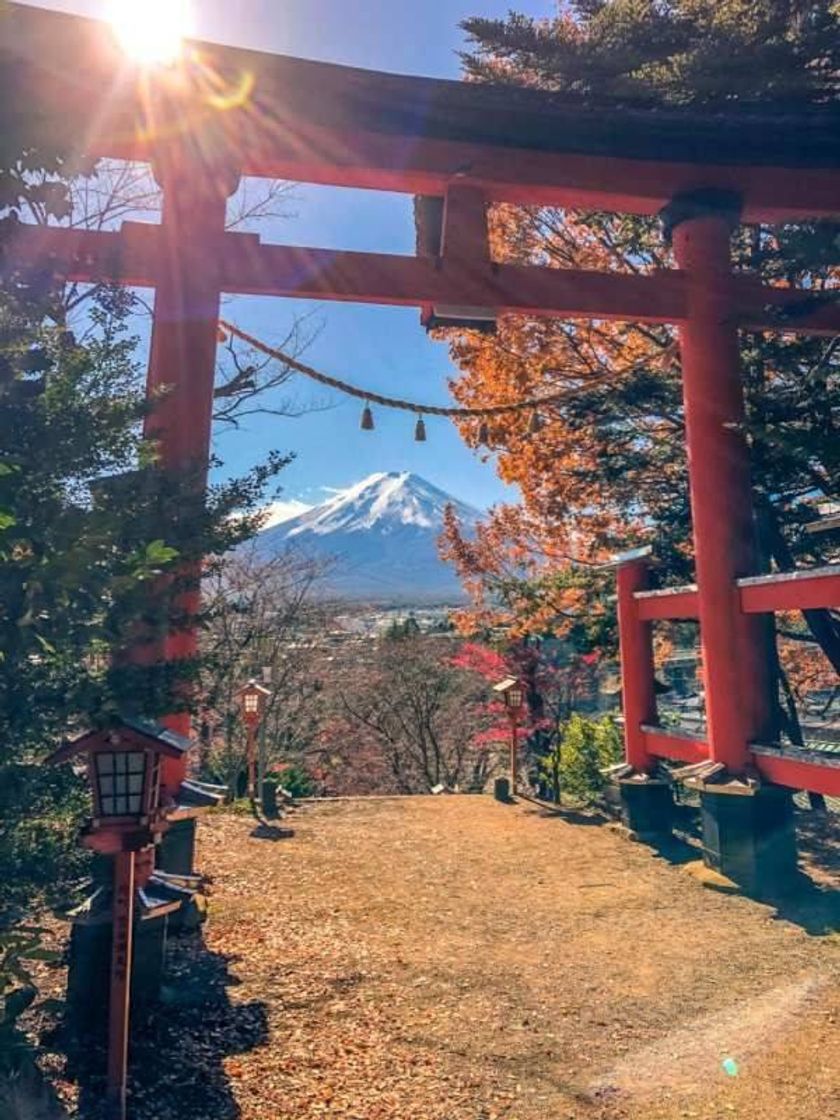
[{"x": 120, "y": 1000}]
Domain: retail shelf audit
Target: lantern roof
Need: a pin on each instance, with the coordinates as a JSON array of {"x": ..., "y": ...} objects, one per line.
[
  {"x": 252, "y": 686},
  {"x": 507, "y": 684},
  {"x": 138, "y": 733}
]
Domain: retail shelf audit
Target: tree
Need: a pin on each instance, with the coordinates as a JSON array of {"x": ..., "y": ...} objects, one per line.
[
  {"x": 581, "y": 750},
  {"x": 112, "y": 192},
  {"x": 422, "y": 713},
  {"x": 262, "y": 616},
  {"x": 97, "y": 543},
  {"x": 559, "y": 682},
  {"x": 607, "y": 471}
]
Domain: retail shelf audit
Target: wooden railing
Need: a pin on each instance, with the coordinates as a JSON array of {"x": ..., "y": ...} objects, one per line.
[{"x": 795, "y": 767}]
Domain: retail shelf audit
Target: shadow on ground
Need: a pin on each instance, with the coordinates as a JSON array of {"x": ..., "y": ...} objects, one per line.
[
  {"x": 25, "y": 1094},
  {"x": 539, "y": 808},
  {"x": 177, "y": 1051},
  {"x": 812, "y": 904},
  {"x": 266, "y": 831},
  {"x": 818, "y": 836}
]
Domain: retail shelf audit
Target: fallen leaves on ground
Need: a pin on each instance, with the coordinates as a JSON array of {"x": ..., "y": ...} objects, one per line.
[{"x": 458, "y": 959}]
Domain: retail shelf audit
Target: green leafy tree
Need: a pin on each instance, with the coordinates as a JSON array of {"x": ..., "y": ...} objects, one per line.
[
  {"x": 580, "y": 773},
  {"x": 581, "y": 750}
]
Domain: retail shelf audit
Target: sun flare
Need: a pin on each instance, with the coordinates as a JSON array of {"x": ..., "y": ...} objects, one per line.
[{"x": 152, "y": 31}]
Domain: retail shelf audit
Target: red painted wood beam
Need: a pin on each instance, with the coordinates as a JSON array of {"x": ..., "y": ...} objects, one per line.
[
  {"x": 131, "y": 256},
  {"x": 414, "y": 281},
  {"x": 372, "y": 161},
  {"x": 679, "y": 747},
  {"x": 638, "y": 695},
  {"x": 314, "y": 122},
  {"x": 799, "y": 769},
  {"x": 242, "y": 264},
  {"x": 669, "y": 604},
  {"x": 791, "y": 591},
  {"x": 793, "y": 767},
  {"x": 532, "y": 178}
]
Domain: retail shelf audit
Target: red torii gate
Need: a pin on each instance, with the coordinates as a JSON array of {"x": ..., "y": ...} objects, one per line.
[{"x": 222, "y": 112}]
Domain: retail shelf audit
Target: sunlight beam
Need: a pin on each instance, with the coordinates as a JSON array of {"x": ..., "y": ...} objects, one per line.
[{"x": 151, "y": 32}]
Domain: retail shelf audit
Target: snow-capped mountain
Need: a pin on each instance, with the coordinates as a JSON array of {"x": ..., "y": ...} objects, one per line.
[{"x": 381, "y": 538}]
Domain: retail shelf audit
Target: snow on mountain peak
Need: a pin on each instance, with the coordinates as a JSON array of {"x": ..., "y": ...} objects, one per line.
[
  {"x": 380, "y": 536},
  {"x": 383, "y": 500}
]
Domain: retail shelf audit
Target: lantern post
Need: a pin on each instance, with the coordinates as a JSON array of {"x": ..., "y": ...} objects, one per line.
[
  {"x": 513, "y": 695},
  {"x": 252, "y": 698},
  {"x": 124, "y": 770}
]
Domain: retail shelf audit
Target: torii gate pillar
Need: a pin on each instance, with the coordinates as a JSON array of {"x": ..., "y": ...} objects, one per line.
[
  {"x": 182, "y": 363},
  {"x": 734, "y": 650},
  {"x": 746, "y": 830}
]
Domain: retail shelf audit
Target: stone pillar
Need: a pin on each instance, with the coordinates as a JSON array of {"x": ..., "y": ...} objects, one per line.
[
  {"x": 749, "y": 836},
  {"x": 88, "y": 977}
]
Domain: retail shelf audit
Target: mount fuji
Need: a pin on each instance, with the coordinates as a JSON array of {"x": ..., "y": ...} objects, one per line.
[{"x": 380, "y": 536}]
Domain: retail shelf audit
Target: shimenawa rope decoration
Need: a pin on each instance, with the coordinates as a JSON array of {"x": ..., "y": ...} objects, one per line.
[{"x": 533, "y": 403}]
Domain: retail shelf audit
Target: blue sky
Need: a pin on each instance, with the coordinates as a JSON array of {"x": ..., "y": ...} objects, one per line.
[{"x": 379, "y": 348}]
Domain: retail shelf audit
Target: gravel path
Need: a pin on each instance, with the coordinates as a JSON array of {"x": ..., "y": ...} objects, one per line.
[
  {"x": 454, "y": 958},
  {"x": 451, "y": 958}
]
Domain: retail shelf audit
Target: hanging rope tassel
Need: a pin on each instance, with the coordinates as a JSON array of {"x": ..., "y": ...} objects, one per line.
[{"x": 227, "y": 330}]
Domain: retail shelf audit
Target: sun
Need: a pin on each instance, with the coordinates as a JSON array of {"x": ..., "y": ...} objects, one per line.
[{"x": 151, "y": 31}]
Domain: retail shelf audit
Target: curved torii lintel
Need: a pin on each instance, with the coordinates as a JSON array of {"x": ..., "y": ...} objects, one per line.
[{"x": 316, "y": 122}]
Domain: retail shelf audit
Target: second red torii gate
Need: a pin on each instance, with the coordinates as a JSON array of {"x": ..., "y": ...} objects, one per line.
[{"x": 222, "y": 113}]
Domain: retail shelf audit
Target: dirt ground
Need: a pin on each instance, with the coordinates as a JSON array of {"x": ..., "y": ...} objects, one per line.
[{"x": 451, "y": 957}]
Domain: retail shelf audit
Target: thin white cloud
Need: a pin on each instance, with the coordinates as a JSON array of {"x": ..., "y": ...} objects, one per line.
[{"x": 281, "y": 511}]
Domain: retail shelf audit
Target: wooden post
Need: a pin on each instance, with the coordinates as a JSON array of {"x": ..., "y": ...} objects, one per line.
[
  {"x": 638, "y": 695},
  {"x": 261, "y": 765},
  {"x": 464, "y": 238},
  {"x": 514, "y": 747},
  {"x": 251, "y": 755},
  {"x": 120, "y": 996},
  {"x": 734, "y": 652}
]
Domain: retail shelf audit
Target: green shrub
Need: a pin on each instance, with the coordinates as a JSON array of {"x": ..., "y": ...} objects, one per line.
[
  {"x": 609, "y": 741},
  {"x": 583, "y": 748},
  {"x": 580, "y": 763},
  {"x": 296, "y": 780}
]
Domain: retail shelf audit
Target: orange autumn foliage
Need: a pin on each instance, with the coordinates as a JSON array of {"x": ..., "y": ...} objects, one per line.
[{"x": 579, "y": 475}]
